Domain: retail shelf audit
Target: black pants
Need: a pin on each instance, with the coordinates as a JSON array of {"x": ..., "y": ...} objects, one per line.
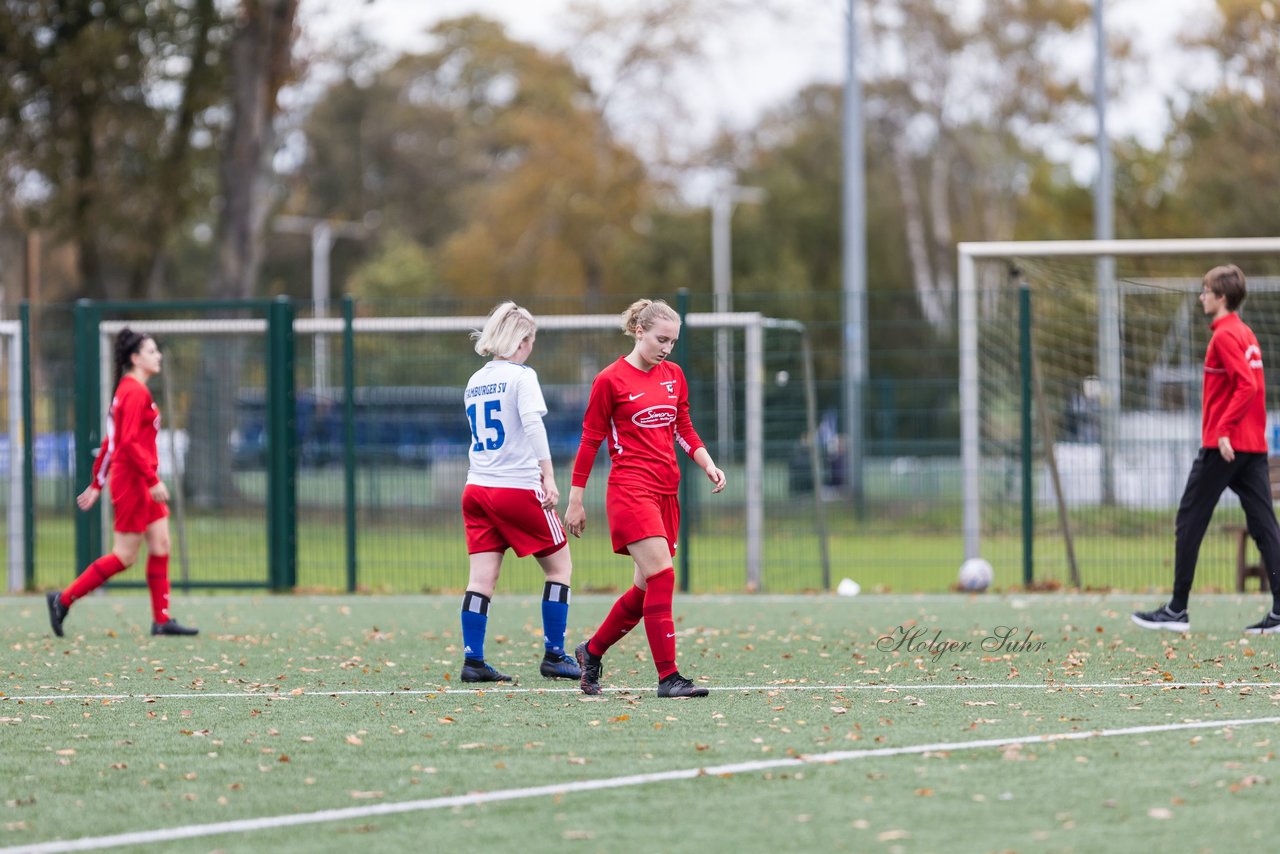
[{"x": 1249, "y": 478}]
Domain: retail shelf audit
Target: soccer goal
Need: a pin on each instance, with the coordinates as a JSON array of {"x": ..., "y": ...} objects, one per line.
[{"x": 1080, "y": 381}]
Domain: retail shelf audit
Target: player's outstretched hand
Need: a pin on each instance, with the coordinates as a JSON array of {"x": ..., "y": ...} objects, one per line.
[
  {"x": 575, "y": 515},
  {"x": 575, "y": 518},
  {"x": 88, "y": 498},
  {"x": 716, "y": 476}
]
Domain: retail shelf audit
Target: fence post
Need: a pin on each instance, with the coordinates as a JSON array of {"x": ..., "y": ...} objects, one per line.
[
  {"x": 682, "y": 359},
  {"x": 28, "y": 454},
  {"x": 1028, "y": 439},
  {"x": 282, "y": 448},
  {"x": 349, "y": 433},
  {"x": 753, "y": 368},
  {"x": 88, "y": 425}
]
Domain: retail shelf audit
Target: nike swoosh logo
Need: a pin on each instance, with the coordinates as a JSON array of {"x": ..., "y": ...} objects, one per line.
[
  {"x": 634, "y": 396},
  {"x": 673, "y": 634}
]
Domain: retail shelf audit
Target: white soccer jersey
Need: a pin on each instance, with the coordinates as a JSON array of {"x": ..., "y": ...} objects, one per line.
[{"x": 499, "y": 398}]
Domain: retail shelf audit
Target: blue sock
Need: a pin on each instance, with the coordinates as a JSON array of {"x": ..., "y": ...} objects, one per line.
[
  {"x": 555, "y": 615},
  {"x": 475, "y": 618}
]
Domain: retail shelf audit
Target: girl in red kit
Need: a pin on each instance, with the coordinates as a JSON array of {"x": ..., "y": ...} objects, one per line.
[
  {"x": 640, "y": 403},
  {"x": 127, "y": 462}
]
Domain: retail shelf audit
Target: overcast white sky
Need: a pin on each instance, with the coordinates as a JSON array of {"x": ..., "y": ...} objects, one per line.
[{"x": 762, "y": 62}]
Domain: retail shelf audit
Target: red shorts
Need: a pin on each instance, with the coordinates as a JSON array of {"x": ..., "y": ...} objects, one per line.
[
  {"x": 635, "y": 514},
  {"x": 133, "y": 505},
  {"x": 500, "y": 518}
]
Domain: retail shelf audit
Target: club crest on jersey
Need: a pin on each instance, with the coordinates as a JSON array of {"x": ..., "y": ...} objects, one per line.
[{"x": 655, "y": 416}]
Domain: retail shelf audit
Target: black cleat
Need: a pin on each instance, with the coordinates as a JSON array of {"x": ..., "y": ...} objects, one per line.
[
  {"x": 172, "y": 627},
  {"x": 57, "y": 611},
  {"x": 1163, "y": 618},
  {"x": 590, "y": 666},
  {"x": 480, "y": 671},
  {"x": 1268, "y": 625},
  {"x": 559, "y": 665},
  {"x": 676, "y": 685}
]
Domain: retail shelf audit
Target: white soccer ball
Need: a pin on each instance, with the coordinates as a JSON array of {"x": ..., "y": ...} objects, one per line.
[
  {"x": 975, "y": 575},
  {"x": 848, "y": 587}
]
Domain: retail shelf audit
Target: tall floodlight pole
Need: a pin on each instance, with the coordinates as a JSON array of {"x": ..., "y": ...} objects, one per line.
[
  {"x": 1109, "y": 355},
  {"x": 323, "y": 232},
  {"x": 854, "y": 285},
  {"x": 321, "y": 247},
  {"x": 722, "y": 203}
]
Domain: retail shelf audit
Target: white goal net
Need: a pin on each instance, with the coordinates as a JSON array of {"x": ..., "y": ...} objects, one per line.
[{"x": 1095, "y": 377}]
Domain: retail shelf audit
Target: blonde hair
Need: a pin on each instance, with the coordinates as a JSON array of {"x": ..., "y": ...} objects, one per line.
[
  {"x": 507, "y": 326},
  {"x": 643, "y": 313}
]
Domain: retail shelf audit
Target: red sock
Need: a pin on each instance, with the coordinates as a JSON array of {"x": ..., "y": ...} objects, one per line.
[
  {"x": 658, "y": 624},
  {"x": 92, "y": 578},
  {"x": 158, "y": 584},
  {"x": 622, "y": 618}
]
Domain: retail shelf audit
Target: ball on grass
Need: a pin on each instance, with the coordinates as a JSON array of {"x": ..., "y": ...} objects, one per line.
[
  {"x": 848, "y": 587},
  {"x": 975, "y": 575}
]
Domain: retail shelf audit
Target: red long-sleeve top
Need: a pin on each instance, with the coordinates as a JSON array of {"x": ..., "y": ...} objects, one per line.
[
  {"x": 1235, "y": 400},
  {"x": 643, "y": 414},
  {"x": 129, "y": 447}
]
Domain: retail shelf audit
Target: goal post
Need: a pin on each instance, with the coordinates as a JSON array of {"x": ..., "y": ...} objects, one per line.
[
  {"x": 1142, "y": 304},
  {"x": 17, "y": 543}
]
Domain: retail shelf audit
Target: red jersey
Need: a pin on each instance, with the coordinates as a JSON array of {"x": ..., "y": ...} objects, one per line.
[
  {"x": 130, "y": 444},
  {"x": 643, "y": 414},
  {"x": 1235, "y": 400}
]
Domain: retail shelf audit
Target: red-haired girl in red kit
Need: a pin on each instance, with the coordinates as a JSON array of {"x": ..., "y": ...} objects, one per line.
[
  {"x": 640, "y": 403},
  {"x": 127, "y": 462}
]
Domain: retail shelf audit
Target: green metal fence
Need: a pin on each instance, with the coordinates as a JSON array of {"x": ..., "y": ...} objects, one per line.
[
  {"x": 352, "y": 481},
  {"x": 339, "y": 467},
  {"x": 96, "y": 324}
]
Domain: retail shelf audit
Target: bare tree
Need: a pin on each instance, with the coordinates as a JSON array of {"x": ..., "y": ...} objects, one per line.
[
  {"x": 260, "y": 64},
  {"x": 261, "y": 60},
  {"x": 639, "y": 56},
  {"x": 966, "y": 99},
  {"x": 174, "y": 166}
]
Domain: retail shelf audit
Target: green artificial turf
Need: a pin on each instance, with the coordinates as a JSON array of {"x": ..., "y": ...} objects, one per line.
[{"x": 285, "y": 706}]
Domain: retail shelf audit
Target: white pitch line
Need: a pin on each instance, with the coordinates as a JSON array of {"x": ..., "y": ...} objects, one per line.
[
  {"x": 727, "y": 689},
  {"x": 151, "y": 837}
]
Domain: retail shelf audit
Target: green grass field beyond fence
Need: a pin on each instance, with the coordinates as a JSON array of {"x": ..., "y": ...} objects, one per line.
[
  {"x": 431, "y": 557},
  {"x": 876, "y": 723},
  {"x": 410, "y": 538}
]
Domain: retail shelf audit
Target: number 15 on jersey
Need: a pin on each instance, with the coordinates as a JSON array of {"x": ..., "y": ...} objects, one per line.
[{"x": 492, "y": 425}]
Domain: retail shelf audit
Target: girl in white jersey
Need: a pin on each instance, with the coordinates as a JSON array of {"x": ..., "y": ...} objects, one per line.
[{"x": 510, "y": 498}]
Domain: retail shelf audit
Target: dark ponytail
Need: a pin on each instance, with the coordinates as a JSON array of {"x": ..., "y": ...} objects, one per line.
[{"x": 128, "y": 342}]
